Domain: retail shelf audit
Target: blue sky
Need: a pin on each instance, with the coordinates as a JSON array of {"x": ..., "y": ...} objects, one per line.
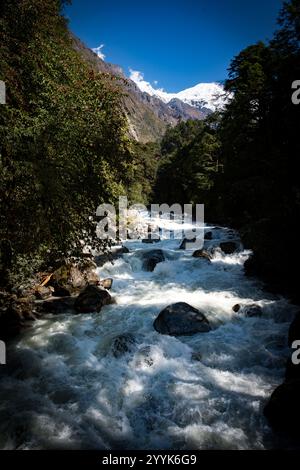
[{"x": 177, "y": 43}]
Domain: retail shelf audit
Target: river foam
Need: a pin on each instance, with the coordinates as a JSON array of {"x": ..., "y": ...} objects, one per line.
[{"x": 64, "y": 388}]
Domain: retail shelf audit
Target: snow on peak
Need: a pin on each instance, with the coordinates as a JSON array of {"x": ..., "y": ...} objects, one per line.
[{"x": 208, "y": 95}]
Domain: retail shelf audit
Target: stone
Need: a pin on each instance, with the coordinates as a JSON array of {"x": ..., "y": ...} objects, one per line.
[
  {"x": 122, "y": 344},
  {"x": 228, "y": 247},
  {"x": 181, "y": 319},
  {"x": 92, "y": 299},
  {"x": 282, "y": 410},
  {"x": 151, "y": 258},
  {"x": 236, "y": 308},
  {"x": 202, "y": 254}
]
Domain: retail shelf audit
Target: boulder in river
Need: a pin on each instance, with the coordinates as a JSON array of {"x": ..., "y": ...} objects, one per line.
[
  {"x": 92, "y": 299},
  {"x": 283, "y": 410},
  {"x": 71, "y": 277},
  {"x": 122, "y": 344},
  {"x": 151, "y": 258},
  {"x": 251, "y": 310},
  {"x": 202, "y": 254},
  {"x": 181, "y": 319},
  {"x": 228, "y": 247}
]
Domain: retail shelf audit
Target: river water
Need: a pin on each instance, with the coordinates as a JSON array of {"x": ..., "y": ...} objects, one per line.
[{"x": 64, "y": 388}]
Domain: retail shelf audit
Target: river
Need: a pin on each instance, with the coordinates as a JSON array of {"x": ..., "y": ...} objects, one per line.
[{"x": 63, "y": 388}]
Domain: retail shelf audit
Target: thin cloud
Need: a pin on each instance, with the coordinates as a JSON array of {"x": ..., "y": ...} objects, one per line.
[{"x": 98, "y": 51}]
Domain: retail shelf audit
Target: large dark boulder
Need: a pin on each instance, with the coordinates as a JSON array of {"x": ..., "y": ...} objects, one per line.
[
  {"x": 251, "y": 310},
  {"x": 152, "y": 258},
  {"x": 181, "y": 319},
  {"x": 92, "y": 299},
  {"x": 228, "y": 247},
  {"x": 283, "y": 410}
]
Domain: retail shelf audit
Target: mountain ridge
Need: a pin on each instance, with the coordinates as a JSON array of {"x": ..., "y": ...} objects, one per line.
[{"x": 149, "y": 114}]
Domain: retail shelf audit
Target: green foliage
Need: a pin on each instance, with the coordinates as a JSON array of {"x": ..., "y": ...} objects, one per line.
[
  {"x": 189, "y": 163},
  {"x": 63, "y": 144},
  {"x": 143, "y": 172},
  {"x": 260, "y": 147}
]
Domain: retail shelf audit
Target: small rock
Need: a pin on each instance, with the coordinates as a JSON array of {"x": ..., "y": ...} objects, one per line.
[
  {"x": 196, "y": 356},
  {"x": 228, "y": 247},
  {"x": 122, "y": 344},
  {"x": 181, "y": 319},
  {"x": 202, "y": 254},
  {"x": 252, "y": 311},
  {"x": 106, "y": 283},
  {"x": 236, "y": 308},
  {"x": 152, "y": 258},
  {"x": 92, "y": 299}
]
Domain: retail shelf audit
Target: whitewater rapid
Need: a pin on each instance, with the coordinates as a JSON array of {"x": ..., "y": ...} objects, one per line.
[{"x": 63, "y": 388}]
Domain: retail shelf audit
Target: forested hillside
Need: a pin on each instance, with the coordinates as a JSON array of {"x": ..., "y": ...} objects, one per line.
[
  {"x": 64, "y": 139},
  {"x": 244, "y": 166}
]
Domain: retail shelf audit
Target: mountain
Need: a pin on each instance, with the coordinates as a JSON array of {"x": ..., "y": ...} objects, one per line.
[
  {"x": 206, "y": 97},
  {"x": 150, "y": 111}
]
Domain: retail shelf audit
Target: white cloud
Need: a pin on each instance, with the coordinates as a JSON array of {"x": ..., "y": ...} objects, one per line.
[
  {"x": 138, "y": 78},
  {"x": 98, "y": 51}
]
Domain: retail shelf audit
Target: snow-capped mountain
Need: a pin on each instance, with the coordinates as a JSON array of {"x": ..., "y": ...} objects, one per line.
[
  {"x": 210, "y": 96},
  {"x": 150, "y": 110}
]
